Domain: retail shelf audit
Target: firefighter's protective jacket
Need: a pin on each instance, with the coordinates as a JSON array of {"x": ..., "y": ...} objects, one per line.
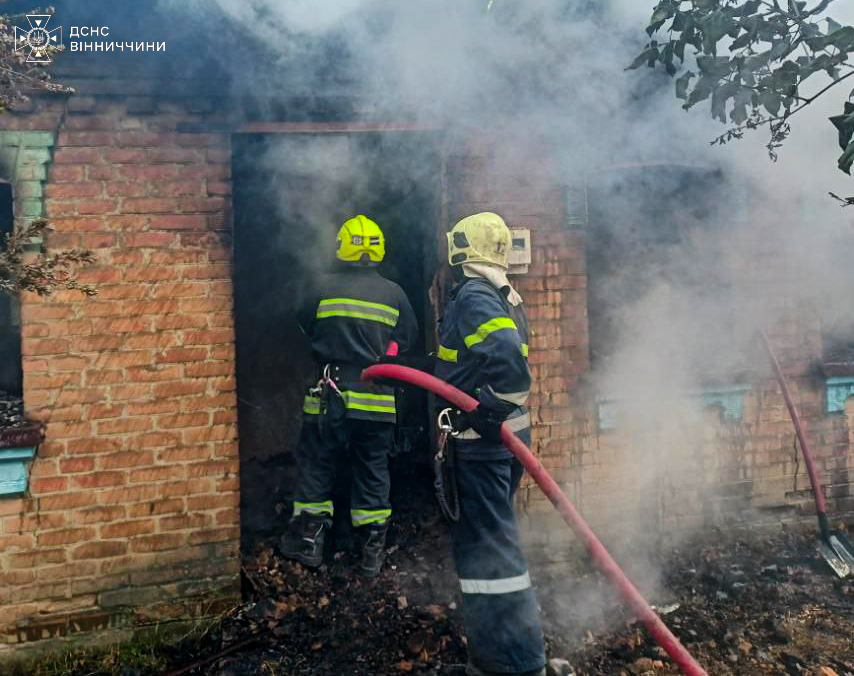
[
  {"x": 351, "y": 316},
  {"x": 484, "y": 352}
]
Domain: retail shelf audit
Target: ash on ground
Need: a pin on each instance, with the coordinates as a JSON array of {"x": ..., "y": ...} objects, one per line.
[{"x": 758, "y": 604}]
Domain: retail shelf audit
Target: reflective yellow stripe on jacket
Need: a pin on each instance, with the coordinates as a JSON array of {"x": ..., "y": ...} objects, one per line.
[
  {"x": 487, "y": 329},
  {"x": 372, "y": 403},
  {"x": 357, "y": 309}
]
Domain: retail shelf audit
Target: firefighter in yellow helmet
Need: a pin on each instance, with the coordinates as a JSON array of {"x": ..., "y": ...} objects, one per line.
[
  {"x": 351, "y": 318},
  {"x": 483, "y": 351}
]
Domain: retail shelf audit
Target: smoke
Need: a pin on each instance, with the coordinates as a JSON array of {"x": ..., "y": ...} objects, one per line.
[{"x": 757, "y": 245}]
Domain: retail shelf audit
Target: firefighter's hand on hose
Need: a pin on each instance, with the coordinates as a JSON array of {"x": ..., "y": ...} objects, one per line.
[{"x": 485, "y": 422}]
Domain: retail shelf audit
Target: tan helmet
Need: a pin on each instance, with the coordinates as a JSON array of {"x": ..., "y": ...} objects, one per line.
[{"x": 482, "y": 238}]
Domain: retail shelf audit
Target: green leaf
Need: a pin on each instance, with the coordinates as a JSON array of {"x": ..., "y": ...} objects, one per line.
[
  {"x": 832, "y": 26},
  {"x": 770, "y": 101},
  {"x": 847, "y": 158},
  {"x": 682, "y": 84},
  {"x": 650, "y": 54}
]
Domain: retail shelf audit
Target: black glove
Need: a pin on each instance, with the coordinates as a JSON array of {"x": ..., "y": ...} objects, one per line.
[{"x": 485, "y": 422}]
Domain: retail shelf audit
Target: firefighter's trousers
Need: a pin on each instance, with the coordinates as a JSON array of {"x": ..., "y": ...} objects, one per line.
[
  {"x": 323, "y": 441},
  {"x": 500, "y": 613}
]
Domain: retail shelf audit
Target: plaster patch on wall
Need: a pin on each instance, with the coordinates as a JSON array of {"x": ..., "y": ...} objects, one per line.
[{"x": 837, "y": 391}]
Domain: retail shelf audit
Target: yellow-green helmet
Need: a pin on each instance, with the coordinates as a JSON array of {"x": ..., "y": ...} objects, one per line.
[
  {"x": 359, "y": 238},
  {"x": 482, "y": 238}
]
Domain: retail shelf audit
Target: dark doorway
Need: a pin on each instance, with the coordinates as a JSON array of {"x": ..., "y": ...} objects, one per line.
[{"x": 291, "y": 194}]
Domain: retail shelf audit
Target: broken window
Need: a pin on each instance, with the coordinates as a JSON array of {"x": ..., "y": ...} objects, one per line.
[{"x": 653, "y": 234}]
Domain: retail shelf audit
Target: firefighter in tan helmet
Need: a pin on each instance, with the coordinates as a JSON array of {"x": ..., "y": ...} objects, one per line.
[{"x": 483, "y": 351}]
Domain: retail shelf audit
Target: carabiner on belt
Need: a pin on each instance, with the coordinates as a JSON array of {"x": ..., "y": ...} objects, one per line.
[{"x": 446, "y": 429}]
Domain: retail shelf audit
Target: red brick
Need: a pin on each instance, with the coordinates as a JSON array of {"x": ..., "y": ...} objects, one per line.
[
  {"x": 48, "y": 485},
  {"x": 156, "y": 543},
  {"x": 209, "y": 369},
  {"x": 176, "y": 155},
  {"x": 36, "y": 558},
  {"x": 176, "y": 222},
  {"x": 184, "y": 454},
  {"x": 99, "y": 550},
  {"x": 124, "y": 529},
  {"x": 127, "y": 495},
  {"x": 153, "y": 373},
  {"x": 219, "y": 188},
  {"x": 97, "y": 206},
  {"x": 152, "y": 407},
  {"x": 100, "y": 479},
  {"x": 155, "y": 474},
  {"x": 72, "y": 465},
  {"x": 67, "y": 173},
  {"x": 202, "y": 204},
  {"x": 186, "y": 487},
  {"x": 97, "y": 343},
  {"x": 136, "y": 189},
  {"x": 91, "y": 139},
  {"x": 218, "y": 501},
  {"x": 126, "y": 359},
  {"x": 156, "y": 507},
  {"x": 103, "y": 377},
  {"x": 124, "y": 325},
  {"x": 151, "y": 307},
  {"x": 90, "y": 445},
  {"x": 44, "y": 346},
  {"x": 123, "y": 425},
  {"x": 92, "y": 515},
  {"x": 212, "y": 433},
  {"x": 77, "y": 155},
  {"x": 142, "y": 139},
  {"x": 73, "y": 190},
  {"x": 209, "y": 337},
  {"x": 100, "y": 173},
  {"x": 152, "y": 274},
  {"x": 66, "y": 501},
  {"x": 151, "y": 240},
  {"x": 182, "y": 355},
  {"x": 185, "y": 522},
  {"x": 151, "y": 205},
  {"x": 155, "y": 174},
  {"x": 180, "y": 321},
  {"x": 216, "y": 535},
  {"x": 181, "y": 420},
  {"x": 126, "y": 459},
  {"x": 212, "y": 468},
  {"x": 65, "y": 537},
  {"x": 125, "y": 155}
]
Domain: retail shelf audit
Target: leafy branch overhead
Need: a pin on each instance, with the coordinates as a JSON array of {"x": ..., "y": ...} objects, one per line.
[
  {"x": 17, "y": 76},
  {"x": 759, "y": 62},
  {"x": 43, "y": 273}
]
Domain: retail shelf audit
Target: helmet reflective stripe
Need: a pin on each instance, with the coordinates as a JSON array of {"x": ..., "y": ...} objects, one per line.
[
  {"x": 482, "y": 238},
  {"x": 360, "y": 239}
]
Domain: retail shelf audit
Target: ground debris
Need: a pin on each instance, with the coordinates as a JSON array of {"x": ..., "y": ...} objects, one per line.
[{"x": 782, "y": 612}]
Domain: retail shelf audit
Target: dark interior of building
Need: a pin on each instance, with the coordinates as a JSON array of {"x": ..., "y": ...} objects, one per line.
[
  {"x": 11, "y": 374},
  {"x": 292, "y": 193}
]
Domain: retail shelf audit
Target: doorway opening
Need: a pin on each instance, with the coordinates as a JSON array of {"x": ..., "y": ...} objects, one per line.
[{"x": 292, "y": 191}]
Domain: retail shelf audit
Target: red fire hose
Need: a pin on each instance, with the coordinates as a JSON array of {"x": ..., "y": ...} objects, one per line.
[{"x": 598, "y": 553}]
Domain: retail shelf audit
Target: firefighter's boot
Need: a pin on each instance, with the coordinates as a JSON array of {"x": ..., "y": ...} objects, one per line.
[
  {"x": 472, "y": 670},
  {"x": 304, "y": 540},
  {"x": 373, "y": 549}
]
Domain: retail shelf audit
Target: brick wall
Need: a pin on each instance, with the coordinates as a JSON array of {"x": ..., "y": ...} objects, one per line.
[{"x": 132, "y": 515}]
